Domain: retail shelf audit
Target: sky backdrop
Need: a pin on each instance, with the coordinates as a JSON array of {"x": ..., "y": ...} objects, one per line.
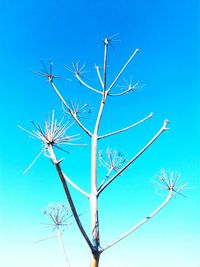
[{"x": 166, "y": 32}]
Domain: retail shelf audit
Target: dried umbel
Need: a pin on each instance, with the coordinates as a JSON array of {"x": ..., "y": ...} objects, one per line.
[
  {"x": 53, "y": 133},
  {"x": 77, "y": 69},
  {"x": 128, "y": 87},
  {"x": 170, "y": 181},
  {"x": 47, "y": 73},
  {"x": 79, "y": 109},
  {"x": 112, "y": 159},
  {"x": 59, "y": 216}
]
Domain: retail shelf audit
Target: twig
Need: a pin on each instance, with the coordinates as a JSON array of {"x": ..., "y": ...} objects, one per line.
[
  {"x": 59, "y": 235},
  {"x": 106, "y": 42},
  {"x": 126, "y": 128},
  {"x": 163, "y": 128},
  {"x": 33, "y": 162},
  {"x": 76, "y": 187},
  {"x": 44, "y": 239},
  {"x": 169, "y": 196},
  {"x": 106, "y": 177},
  {"x": 99, "y": 75},
  {"x": 70, "y": 111},
  {"x": 130, "y": 88},
  {"x": 120, "y": 73},
  {"x": 86, "y": 85}
]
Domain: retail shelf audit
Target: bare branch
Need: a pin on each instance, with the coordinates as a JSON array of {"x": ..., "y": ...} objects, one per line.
[
  {"x": 76, "y": 187},
  {"x": 86, "y": 85},
  {"x": 36, "y": 158},
  {"x": 169, "y": 196},
  {"x": 106, "y": 42},
  {"x": 163, "y": 128},
  {"x": 127, "y": 88},
  {"x": 120, "y": 73},
  {"x": 99, "y": 75},
  {"x": 62, "y": 247},
  {"x": 44, "y": 239},
  {"x": 170, "y": 181},
  {"x": 78, "y": 109},
  {"x": 71, "y": 203},
  {"x": 106, "y": 177},
  {"x": 70, "y": 111},
  {"x": 126, "y": 128}
]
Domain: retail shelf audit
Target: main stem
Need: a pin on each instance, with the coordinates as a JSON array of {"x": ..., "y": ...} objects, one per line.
[{"x": 94, "y": 196}]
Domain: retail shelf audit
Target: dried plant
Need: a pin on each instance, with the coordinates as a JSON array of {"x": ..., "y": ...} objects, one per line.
[
  {"x": 128, "y": 87},
  {"x": 79, "y": 110},
  {"x": 47, "y": 73},
  {"x": 60, "y": 218},
  {"x": 77, "y": 69},
  {"x": 55, "y": 135},
  {"x": 112, "y": 161},
  {"x": 59, "y": 215},
  {"x": 170, "y": 181}
]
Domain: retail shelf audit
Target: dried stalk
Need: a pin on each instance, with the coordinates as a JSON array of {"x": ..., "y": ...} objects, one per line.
[
  {"x": 86, "y": 85},
  {"x": 71, "y": 203},
  {"x": 59, "y": 235},
  {"x": 122, "y": 70},
  {"x": 70, "y": 111},
  {"x": 76, "y": 187},
  {"x": 170, "y": 195},
  {"x": 126, "y": 128},
  {"x": 163, "y": 128}
]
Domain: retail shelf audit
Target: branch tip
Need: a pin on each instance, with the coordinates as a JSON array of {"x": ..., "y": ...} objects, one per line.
[
  {"x": 151, "y": 114},
  {"x": 166, "y": 122},
  {"x": 59, "y": 161}
]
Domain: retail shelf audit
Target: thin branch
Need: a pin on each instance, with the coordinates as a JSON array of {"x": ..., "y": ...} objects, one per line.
[
  {"x": 106, "y": 42},
  {"x": 44, "y": 239},
  {"x": 99, "y": 75},
  {"x": 68, "y": 195},
  {"x": 33, "y": 162},
  {"x": 120, "y": 73},
  {"x": 163, "y": 128},
  {"x": 70, "y": 111},
  {"x": 169, "y": 196},
  {"x": 75, "y": 186},
  {"x": 106, "y": 177},
  {"x": 126, "y": 128},
  {"x": 62, "y": 247},
  {"x": 122, "y": 93},
  {"x": 86, "y": 85},
  {"x": 130, "y": 88}
]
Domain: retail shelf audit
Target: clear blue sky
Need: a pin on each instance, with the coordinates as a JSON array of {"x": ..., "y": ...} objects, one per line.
[{"x": 168, "y": 63}]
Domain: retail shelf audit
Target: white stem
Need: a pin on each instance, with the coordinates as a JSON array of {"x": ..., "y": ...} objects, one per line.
[
  {"x": 99, "y": 76},
  {"x": 122, "y": 93},
  {"x": 69, "y": 109},
  {"x": 33, "y": 162},
  {"x": 106, "y": 177},
  {"x": 163, "y": 128},
  {"x": 170, "y": 195},
  {"x": 76, "y": 187},
  {"x": 59, "y": 235},
  {"x": 126, "y": 128},
  {"x": 86, "y": 85},
  {"x": 120, "y": 73}
]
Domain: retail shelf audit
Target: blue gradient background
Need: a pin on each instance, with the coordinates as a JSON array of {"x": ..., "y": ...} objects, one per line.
[{"x": 168, "y": 63}]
